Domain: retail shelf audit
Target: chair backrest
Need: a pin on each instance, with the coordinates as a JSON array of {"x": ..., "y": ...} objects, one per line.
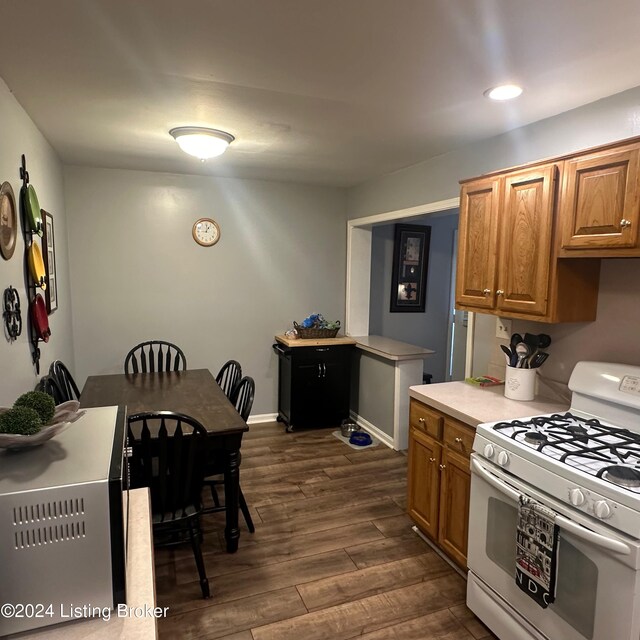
[
  {"x": 65, "y": 380},
  {"x": 155, "y": 355},
  {"x": 229, "y": 376},
  {"x": 243, "y": 396},
  {"x": 49, "y": 385},
  {"x": 167, "y": 456}
]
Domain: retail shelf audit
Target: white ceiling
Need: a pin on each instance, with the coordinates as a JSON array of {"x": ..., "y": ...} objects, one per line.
[{"x": 321, "y": 91}]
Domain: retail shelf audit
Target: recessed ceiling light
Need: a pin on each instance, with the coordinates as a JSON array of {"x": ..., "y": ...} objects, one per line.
[
  {"x": 504, "y": 92},
  {"x": 202, "y": 142}
]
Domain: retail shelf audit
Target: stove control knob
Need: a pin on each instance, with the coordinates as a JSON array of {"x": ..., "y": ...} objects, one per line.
[
  {"x": 602, "y": 509},
  {"x": 489, "y": 451},
  {"x": 576, "y": 497},
  {"x": 503, "y": 458}
]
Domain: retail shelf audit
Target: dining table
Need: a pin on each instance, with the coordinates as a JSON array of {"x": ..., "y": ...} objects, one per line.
[{"x": 193, "y": 392}]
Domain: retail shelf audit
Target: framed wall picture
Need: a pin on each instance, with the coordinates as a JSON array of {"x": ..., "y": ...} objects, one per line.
[
  {"x": 410, "y": 261},
  {"x": 49, "y": 255}
]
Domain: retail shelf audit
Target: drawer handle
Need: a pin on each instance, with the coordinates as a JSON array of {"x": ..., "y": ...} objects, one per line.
[
  {"x": 421, "y": 420},
  {"x": 442, "y": 467},
  {"x": 432, "y": 460},
  {"x": 625, "y": 223},
  {"x": 458, "y": 441}
]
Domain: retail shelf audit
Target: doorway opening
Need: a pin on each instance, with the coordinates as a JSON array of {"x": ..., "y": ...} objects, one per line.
[{"x": 369, "y": 251}]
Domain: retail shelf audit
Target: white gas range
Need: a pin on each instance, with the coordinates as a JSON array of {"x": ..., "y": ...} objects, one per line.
[{"x": 585, "y": 466}]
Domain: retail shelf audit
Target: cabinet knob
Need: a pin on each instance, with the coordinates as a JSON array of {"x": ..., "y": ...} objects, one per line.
[
  {"x": 500, "y": 292},
  {"x": 432, "y": 460},
  {"x": 442, "y": 467},
  {"x": 625, "y": 223},
  {"x": 421, "y": 420},
  {"x": 458, "y": 441},
  {"x": 486, "y": 291}
]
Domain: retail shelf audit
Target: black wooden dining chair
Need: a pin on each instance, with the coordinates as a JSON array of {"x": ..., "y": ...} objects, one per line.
[
  {"x": 167, "y": 456},
  {"x": 229, "y": 376},
  {"x": 214, "y": 466},
  {"x": 63, "y": 377},
  {"x": 155, "y": 355},
  {"x": 49, "y": 385}
]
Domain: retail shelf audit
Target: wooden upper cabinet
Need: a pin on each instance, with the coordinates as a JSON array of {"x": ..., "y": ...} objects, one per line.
[
  {"x": 477, "y": 243},
  {"x": 600, "y": 201},
  {"x": 526, "y": 224}
]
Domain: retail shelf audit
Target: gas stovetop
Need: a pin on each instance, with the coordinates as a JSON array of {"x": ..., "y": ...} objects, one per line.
[
  {"x": 589, "y": 457},
  {"x": 586, "y": 444}
]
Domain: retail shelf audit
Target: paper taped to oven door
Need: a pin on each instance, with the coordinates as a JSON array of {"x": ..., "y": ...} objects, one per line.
[{"x": 536, "y": 551}]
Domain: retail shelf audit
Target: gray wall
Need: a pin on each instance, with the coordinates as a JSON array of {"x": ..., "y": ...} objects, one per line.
[
  {"x": 428, "y": 329},
  {"x": 606, "y": 120},
  {"x": 614, "y": 335},
  {"x": 20, "y": 135},
  {"x": 137, "y": 274}
]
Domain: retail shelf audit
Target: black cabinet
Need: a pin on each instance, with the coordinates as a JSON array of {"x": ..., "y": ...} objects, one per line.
[{"x": 313, "y": 385}]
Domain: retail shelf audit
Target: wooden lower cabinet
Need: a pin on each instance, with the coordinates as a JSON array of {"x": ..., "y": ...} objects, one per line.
[
  {"x": 439, "y": 481},
  {"x": 455, "y": 489}
]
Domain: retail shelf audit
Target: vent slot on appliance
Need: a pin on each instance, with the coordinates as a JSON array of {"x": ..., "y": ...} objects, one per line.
[
  {"x": 50, "y": 522},
  {"x": 36, "y": 537},
  {"x": 44, "y": 511}
]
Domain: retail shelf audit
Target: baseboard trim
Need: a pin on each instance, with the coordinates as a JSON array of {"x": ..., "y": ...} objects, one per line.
[
  {"x": 440, "y": 552},
  {"x": 385, "y": 438},
  {"x": 261, "y": 418}
]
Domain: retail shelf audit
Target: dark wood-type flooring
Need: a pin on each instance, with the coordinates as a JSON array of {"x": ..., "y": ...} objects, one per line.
[{"x": 333, "y": 555}]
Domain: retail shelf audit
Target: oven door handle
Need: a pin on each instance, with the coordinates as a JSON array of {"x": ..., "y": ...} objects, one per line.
[{"x": 564, "y": 523}]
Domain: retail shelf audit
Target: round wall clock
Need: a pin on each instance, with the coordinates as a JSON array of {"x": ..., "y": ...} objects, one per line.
[
  {"x": 206, "y": 232},
  {"x": 8, "y": 221}
]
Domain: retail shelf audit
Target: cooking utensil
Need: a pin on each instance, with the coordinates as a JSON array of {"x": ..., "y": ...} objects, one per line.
[
  {"x": 36, "y": 264},
  {"x": 538, "y": 359},
  {"x": 515, "y": 339},
  {"x": 39, "y": 318},
  {"x": 32, "y": 207},
  {"x": 8, "y": 221},
  {"x": 507, "y": 354},
  {"x": 522, "y": 352},
  {"x": 543, "y": 340}
]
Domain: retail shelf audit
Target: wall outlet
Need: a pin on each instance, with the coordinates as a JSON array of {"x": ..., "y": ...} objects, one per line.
[{"x": 503, "y": 328}]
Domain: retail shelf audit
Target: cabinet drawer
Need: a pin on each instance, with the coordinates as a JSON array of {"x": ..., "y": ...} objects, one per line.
[
  {"x": 425, "y": 419},
  {"x": 458, "y": 436}
]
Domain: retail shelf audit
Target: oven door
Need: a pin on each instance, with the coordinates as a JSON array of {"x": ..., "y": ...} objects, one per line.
[{"x": 597, "y": 587}]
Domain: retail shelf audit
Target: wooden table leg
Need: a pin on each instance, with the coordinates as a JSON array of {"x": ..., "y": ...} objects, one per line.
[{"x": 231, "y": 497}]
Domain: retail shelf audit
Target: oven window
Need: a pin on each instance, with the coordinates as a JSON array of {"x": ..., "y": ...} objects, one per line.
[
  {"x": 576, "y": 588},
  {"x": 577, "y": 582}
]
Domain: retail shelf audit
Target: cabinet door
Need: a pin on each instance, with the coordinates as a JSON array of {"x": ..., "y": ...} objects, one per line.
[
  {"x": 336, "y": 381},
  {"x": 599, "y": 205},
  {"x": 525, "y": 241},
  {"x": 453, "y": 530},
  {"x": 477, "y": 242},
  {"x": 423, "y": 482}
]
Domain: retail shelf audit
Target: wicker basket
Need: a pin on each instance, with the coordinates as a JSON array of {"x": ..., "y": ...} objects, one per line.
[{"x": 314, "y": 333}]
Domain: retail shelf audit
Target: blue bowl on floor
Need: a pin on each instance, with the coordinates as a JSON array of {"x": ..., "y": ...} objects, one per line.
[{"x": 360, "y": 438}]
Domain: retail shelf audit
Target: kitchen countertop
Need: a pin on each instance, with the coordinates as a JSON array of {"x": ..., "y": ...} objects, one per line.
[
  {"x": 475, "y": 405},
  {"x": 140, "y": 589},
  {"x": 319, "y": 342},
  {"x": 391, "y": 349}
]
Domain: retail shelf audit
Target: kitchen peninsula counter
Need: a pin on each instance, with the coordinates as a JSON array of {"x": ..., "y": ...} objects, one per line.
[
  {"x": 474, "y": 405},
  {"x": 385, "y": 369}
]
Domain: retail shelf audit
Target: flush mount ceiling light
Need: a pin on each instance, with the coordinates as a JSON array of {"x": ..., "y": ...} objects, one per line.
[
  {"x": 201, "y": 142},
  {"x": 503, "y": 92}
]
